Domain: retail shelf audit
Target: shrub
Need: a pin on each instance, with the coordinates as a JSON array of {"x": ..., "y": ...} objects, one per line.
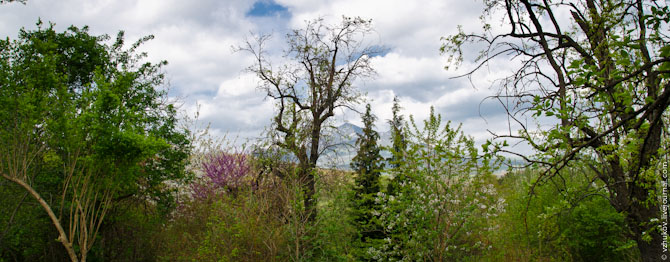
[{"x": 443, "y": 209}]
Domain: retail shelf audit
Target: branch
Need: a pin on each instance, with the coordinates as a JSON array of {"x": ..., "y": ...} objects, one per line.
[{"x": 62, "y": 237}]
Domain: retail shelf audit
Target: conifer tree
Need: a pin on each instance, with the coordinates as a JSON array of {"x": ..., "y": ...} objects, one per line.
[
  {"x": 399, "y": 145},
  {"x": 368, "y": 164}
]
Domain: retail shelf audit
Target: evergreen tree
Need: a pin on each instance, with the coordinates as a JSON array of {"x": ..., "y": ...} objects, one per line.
[
  {"x": 399, "y": 145},
  {"x": 368, "y": 164}
]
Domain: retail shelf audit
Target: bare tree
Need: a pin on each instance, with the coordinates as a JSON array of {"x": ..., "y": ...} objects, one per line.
[
  {"x": 323, "y": 62},
  {"x": 601, "y": 74}
]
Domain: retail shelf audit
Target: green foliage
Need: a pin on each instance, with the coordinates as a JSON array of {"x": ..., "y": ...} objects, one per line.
[
  {"x": 242, "y": 227},
  {"x": 368, "y": 166},
  {"x": 84, "y": 109},
  {"x": 130, "y": 233},
  {"x": 596, "y": 83},
  {"x": 23, "y": 237},
  {"x": 398, "y": 147},
  {"x": 334, "y": 226},
  {"x": 263, "y": 222},
  {"x": 444, "y": 210},
  {"x": 368, "y": 161},
  {"x": 560, "y": 223}
]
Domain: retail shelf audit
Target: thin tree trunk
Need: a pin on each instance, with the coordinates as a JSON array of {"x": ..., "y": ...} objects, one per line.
[{"x": 62, "y": 236}]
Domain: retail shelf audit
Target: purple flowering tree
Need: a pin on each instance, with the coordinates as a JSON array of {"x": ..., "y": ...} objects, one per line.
[{"x": 222, "y": 172}]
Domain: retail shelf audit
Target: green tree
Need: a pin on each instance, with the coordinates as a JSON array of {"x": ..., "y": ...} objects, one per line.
[
  {"x": 601, "y": 76},
  {"x": 324, "y": 62},
  {"x": 399, "y": 146},
  {"x": 443, "y": 209},
  {"x": 368, "y": 164},
  {"x": 84, "y": 125},
  {"x": 368, "y": 159}
]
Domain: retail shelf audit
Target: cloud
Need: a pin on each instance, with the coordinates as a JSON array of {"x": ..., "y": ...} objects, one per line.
[
  {"x": 237, "y": 106},
  {"x": 196, "y": 39},
  {"x": 411, "y": 27}
]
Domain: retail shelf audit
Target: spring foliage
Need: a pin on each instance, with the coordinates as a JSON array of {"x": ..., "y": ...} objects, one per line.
[{"x": 444, "y": 208}]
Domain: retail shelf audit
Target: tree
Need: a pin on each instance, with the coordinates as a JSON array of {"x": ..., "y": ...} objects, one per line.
[
  {"x": 442, "y": 210},
  {"x": 324, "y": 62},
  {"x": 368, "y": 164},
  {"x": 83, "y": 125},
  {"x": 601, "y": 75},
  {"x": 368, "y": 159},
  {"x": 399, "y": 146},
  {"x": 223, "y": 172}
]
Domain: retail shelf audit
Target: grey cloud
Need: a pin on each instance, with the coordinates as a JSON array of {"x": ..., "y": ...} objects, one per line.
[{"x": 195, "y": 37}]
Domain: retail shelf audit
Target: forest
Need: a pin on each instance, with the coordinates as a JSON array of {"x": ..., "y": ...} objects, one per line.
[{"x": 98, "y": 163}]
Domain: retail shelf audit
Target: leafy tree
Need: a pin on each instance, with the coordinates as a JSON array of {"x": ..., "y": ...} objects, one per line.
[
  {"x": 601, "y": 74},
  {"x": 324, "y": 62},
  {"x": 368, "y": 164},
  {"x": 84, "y": 124},
  {"x": 368, "y": 159}
]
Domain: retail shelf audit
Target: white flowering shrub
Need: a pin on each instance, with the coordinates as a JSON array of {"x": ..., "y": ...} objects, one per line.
[{"x": 443, "y": 209}]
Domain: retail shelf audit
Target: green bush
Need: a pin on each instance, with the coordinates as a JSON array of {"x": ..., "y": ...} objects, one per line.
[
  {"x": 444, "y": 208},
  {"x": 559, "y": 222},
  {"x": 242, "y": 227}
]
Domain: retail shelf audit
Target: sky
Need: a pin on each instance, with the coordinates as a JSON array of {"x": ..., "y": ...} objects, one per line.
[{"x": 207, "y": 76}]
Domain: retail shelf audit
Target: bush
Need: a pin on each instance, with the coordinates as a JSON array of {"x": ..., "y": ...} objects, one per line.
[
  {"x": 443, "y": 209},
  {"x": 241, "y": 227},
  {"x": 559, "y": 222}
]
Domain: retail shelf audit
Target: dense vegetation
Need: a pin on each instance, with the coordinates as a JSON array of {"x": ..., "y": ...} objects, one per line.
[{"x": 96, "y": 164}]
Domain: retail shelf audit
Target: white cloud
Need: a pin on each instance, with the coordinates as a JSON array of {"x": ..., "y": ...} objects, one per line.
[
  {"x": 244, "y": 85},
  {"x": 195, "y": 38}
]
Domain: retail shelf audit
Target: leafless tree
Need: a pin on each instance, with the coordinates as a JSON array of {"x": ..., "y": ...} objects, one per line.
[{"x": 323, "y": 62}]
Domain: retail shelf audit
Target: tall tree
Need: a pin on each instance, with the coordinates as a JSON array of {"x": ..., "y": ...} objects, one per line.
[
  {"x": 83, "y": 124},
  {"x": 368, "y": 159},
  {"x": 324, "y": 62},
  {"x": 601, "y": 74},
  {"x": 399, "y": 146},
  {"x": 368, "y": 164}
]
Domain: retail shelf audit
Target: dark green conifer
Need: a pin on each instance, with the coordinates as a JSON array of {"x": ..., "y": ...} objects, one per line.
[
  {"x": 368, "y": 164},
  {"x": 398, "y": 147}
]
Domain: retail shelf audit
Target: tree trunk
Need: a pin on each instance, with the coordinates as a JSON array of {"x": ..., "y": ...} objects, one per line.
[
  {"x": 310, "y": 201},
  {"x": 638, "y": 219},
  {"x": 306, "y": 179},
  {"x": 62, "y": 237},
  {"x": 310, "y": 189},
  {"x": 652, "y": 250}
]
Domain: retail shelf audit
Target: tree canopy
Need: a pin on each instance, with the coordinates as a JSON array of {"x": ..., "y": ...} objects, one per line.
[
  {"x": 600, "y": 76},
  {"x": 86, "y": 122}
]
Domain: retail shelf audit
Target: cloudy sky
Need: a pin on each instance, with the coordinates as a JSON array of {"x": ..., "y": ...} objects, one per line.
[{"x": 196, "y": 37}]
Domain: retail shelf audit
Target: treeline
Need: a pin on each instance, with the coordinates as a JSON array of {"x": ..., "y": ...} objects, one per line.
[
  {"x": 96, "y": 163},
  {"x": 88, "y": 131}
]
